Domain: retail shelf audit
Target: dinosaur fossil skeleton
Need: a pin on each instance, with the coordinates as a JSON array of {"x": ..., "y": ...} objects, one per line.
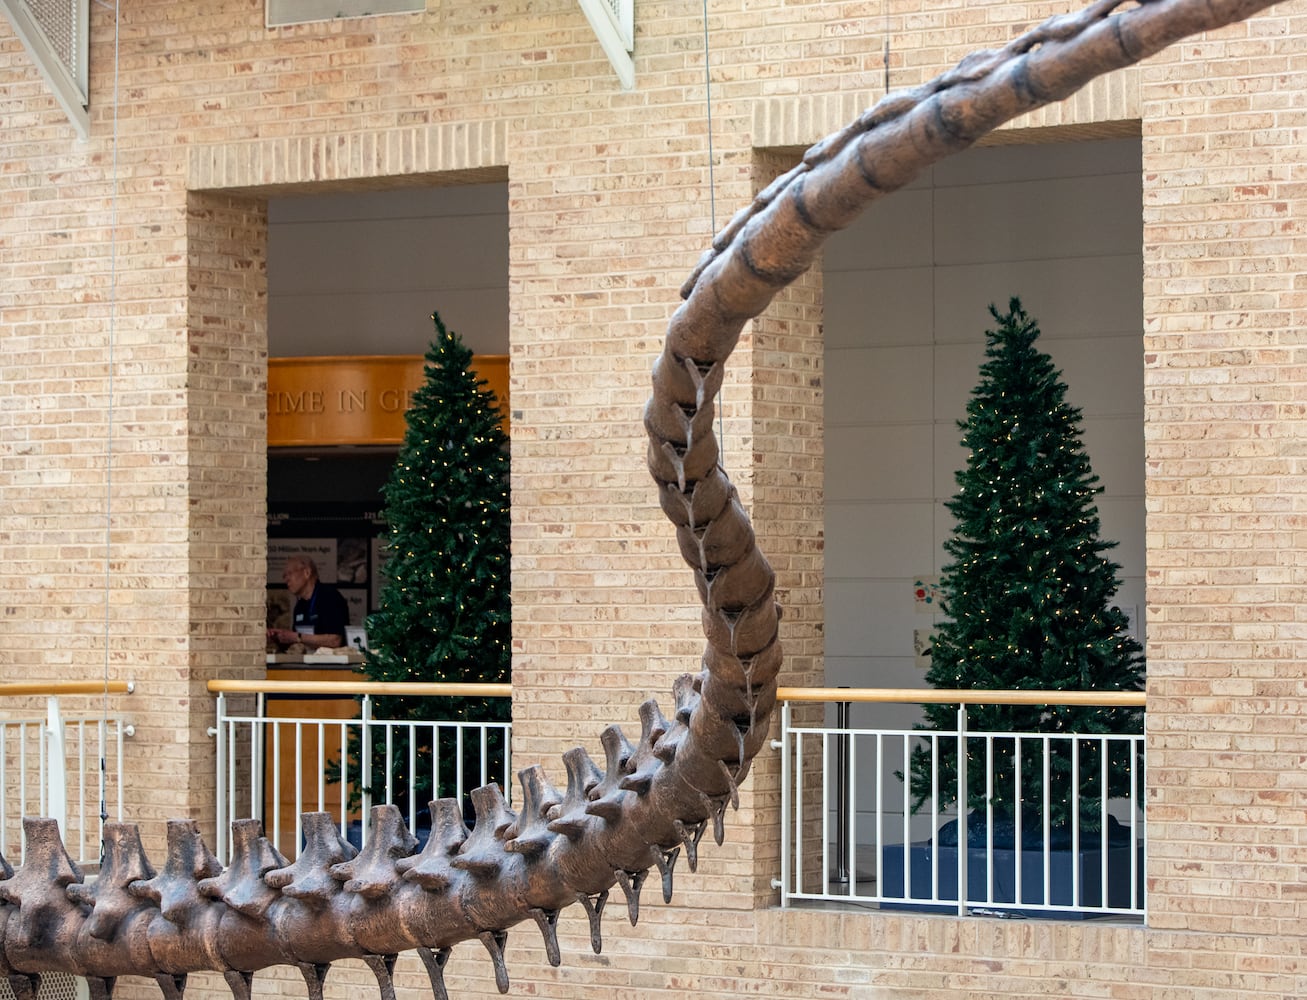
[{"x": 652, "y": 800}]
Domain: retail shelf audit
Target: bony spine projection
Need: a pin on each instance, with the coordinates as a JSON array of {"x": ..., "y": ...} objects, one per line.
[{"x": 652, "y": 800}]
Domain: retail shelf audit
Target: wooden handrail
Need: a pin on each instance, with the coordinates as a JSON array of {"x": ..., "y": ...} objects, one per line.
[
  {"x": 348, "y": 689},
  {"x": 46, "y": 688},
  {"x": 912, "y": 696},
  {"x": 964, "y": 696}
]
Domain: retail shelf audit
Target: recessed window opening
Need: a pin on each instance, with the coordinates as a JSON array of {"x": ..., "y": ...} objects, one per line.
[{"x": 907, "y": 291}]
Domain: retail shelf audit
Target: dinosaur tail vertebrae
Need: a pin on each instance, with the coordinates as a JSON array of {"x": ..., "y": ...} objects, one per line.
[{"x": 652, "y": 800}]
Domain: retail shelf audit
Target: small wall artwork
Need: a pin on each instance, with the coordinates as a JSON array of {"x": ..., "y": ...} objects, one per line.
[
  {"x": 1132, "y": 621},
  {"x": 922, "y": 641},
  {"x": 925, "y": 594}
]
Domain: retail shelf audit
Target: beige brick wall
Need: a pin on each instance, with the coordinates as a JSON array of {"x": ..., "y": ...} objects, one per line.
[
  {"x": 1223, "y": 229},
  {"x": 611, "y": 205}
]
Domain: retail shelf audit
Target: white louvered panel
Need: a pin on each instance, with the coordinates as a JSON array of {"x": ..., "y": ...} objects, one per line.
[
  {"x": 54, "y": 986},
  {"x": 59, "y": 19}
]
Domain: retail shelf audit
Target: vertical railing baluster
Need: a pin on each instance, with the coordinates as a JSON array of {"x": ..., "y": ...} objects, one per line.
[
  {"x": 388, "y": 764},
  {"x": 366, "y": 773},
  {"x": 934, "y": 809},
  {"x": 345, "y": 728},
  {"x": 83, "y": 833},
  {"x": 786, "y": 802},
  {"x": 1104, "y": 840},
  {"x": 1046, "y": 744},
  {"x": 412, "y": 818},
  {"x": 851, "y": 807},
  {"x": 43, "y": 754},
  {"x": 506, "y": 741},
  {"x": 1135, "y": 754},
  {"x": 798, "y": 811},
  {"x": 989, "y": 817},
  {"x": 220, "y": 840},
  {"x": 232, "y": 788},
  {"x": 320, "y": 734},
  {"x": 257, "y": 731},
  {"x": 485, "y": 750},
  {"x": 275, "y": 833},
  {"x": 118, "y": 774},
  {"x": 1019, "y": 812},
  {"x": 436, "y": 761},
  {"x": 878, "y": 816},
  {"x": 842, "y": 842},
  {"x": 440, "y": 764},
  {"x": 460, "y": 780},
  {"x": 963, "y": 797},
  {"x": 1077, "y": 890},
  {"x": 298, "y": 785},
  {"x": 24, "y": 778},
  {"x": 825, "y": 810}
]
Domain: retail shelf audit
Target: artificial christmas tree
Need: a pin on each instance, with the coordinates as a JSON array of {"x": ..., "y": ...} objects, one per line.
[
  {"x": 1028, "y": 597},
  {"x": 444, "y": 612}
]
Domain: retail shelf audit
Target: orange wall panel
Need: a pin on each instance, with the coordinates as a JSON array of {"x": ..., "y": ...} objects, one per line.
[{"x": 355, "y": 400}]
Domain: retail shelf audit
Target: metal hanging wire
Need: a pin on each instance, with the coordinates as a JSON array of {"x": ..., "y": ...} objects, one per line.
[
  {"x": 712, "y": 203},
  {"x": 885, "y": 7},
  {"x": 109, "y": 416}
]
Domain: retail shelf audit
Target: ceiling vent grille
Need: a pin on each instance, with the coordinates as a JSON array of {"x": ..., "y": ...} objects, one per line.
[{"x": 55, "y": 33}]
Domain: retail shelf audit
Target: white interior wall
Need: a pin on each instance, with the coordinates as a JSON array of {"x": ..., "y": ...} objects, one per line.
[
  {"x": 361, "y": 273},
  {"x": 907, "y": 291}
]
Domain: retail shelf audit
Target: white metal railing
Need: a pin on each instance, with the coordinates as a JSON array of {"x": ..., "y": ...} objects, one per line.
[
  {"x": 287, "y": 754},
  {"x": 63, "y": 767},
  {"x": 850, "y": 835}
]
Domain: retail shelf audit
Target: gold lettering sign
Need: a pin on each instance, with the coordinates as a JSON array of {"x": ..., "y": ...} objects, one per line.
[{"x": 356, "y": 400}]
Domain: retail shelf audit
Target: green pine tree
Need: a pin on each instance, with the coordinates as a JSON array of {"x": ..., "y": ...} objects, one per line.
[
  {"x": 444, "y": 613},
  {"x": 1028, "y": 592}
]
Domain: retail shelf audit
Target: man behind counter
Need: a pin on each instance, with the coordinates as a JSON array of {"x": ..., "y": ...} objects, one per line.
[{"x": 320, "y": 614}]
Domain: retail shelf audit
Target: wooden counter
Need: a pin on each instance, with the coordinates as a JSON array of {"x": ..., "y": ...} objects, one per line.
[{"x": 331, "y": 659}]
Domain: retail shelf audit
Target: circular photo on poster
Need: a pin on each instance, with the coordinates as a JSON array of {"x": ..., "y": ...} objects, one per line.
[
  {"x": 280, "y": 605},
  {"x": 352, "y": 560}
]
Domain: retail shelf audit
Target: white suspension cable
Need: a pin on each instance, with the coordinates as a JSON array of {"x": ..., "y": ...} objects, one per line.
[
  {"x": 885, "y": 5},
  {"x": 109, "y": 413},
  {"x": 712, "y": 202},
  {"x": 707, "y": 91}
]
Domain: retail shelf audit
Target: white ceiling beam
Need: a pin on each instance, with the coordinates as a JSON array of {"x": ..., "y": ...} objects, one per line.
[{"x": 615, "y": 35}]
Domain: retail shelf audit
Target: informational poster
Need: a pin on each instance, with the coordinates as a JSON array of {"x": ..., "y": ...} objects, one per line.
[
  {"x": 1132, "y": 621},
  {"x": 357, "y": 599},
  {"x": 321, "y": 550},
  {"x": 340, "y": 538},
  {"x": 379, "y": 556}
]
